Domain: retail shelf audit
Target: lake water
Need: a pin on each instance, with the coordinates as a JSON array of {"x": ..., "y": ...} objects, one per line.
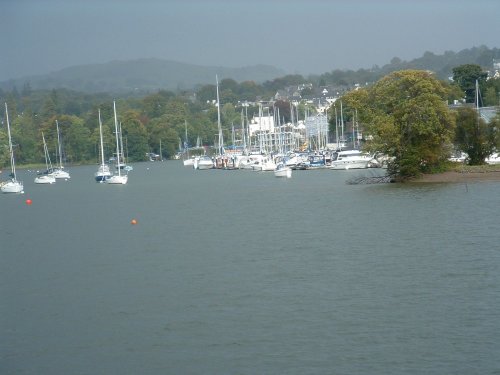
[{"x": 239, "y": 272}]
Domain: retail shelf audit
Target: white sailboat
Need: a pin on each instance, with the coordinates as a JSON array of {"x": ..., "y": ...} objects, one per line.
[
  {"x": 45, "y": 178},
  {"x": 124, "y": 164},
  {"x": 187, "y": 161},
  {"x": 59, "y": 172},
  {"x": 103, "y": 171},
  {"x": 117, "y": 178},
  {"x": 12, "y": 185},
  {"x": 219, "y": 125}
]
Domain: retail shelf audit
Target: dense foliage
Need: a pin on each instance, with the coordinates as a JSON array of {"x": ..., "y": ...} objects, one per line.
[
  {"x": 474, "y": 136},
  {"x": 408, "y": 120}
]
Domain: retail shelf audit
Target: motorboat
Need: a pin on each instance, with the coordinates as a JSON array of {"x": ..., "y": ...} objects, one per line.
[
  {"x": 282, "y": 170},
  {"x": 203, "y": 162},
  {"x": 351, "y": 159}
]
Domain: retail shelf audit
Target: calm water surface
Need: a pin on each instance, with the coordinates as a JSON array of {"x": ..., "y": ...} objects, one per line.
[{"x": 238, "y": 272}]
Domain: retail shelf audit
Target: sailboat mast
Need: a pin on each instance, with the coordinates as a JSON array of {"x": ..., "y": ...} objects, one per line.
[
  {"x": 186, "y": 145},
  {"x": 221, "y": 140},
  {"x": 11, "y": 151},
  {"x": 102, "y": 143},
  {"x": 341, "y": 122},
  {"x": 117, "y": 144},
  {"x": 59, "y": 145},
  {"x": 121, "y": 143},
  {"x": 46, "y": 153}
]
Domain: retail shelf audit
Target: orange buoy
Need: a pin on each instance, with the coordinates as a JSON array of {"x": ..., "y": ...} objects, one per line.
[
  {"x": 28, "y": 201},
  {"x": 133, "y": 222}
]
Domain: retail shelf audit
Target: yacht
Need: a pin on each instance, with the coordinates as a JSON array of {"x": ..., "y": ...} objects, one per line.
[
  {"x": 351, "y": 159},
  {"x": 203, "y": 162}
]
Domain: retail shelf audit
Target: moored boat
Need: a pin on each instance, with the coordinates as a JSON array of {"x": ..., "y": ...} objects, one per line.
[
  {"x": 351, "y": 159},
  {"x": 12, "y": 185},
  {"x": 203, "y": 162},
  {"x": 117, "y": 179},
  {"x": 283, "y": 170}
]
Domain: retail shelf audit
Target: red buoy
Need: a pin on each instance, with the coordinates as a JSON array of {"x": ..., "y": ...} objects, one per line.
[
  {"x": 133, "y": 222},
  {"x": 28, "y": 201}
]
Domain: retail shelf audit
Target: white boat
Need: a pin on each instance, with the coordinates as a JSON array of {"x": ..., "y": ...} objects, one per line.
[
  {"x": 263, "y": 163},
  {"x": 59, "y": 172},
  {"x": 351, "y": 159},
  {"x": 203, "y": 162},
  {"x": 122, "y": 162},
  {"x": 45, "y": 178},
  {"x": 268, "y": 164},
  {"x": 188, "y": 162},
  {"x": 248, "y": 161},
  {"x": 103, "y": 171},
  {"x": 117, "y": 179},
  {"x": 493, "y": 158},
  {"x": 282, "y": 170},
  {"x": 12, "y": 185}
]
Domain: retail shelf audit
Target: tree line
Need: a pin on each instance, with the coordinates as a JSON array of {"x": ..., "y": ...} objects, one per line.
[{"x": 416, "y": 99}]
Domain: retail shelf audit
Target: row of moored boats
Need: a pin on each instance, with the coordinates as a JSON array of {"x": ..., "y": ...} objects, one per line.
[
  {"x": 52, "y": 174},
  {"x": 282, "y": 165}
]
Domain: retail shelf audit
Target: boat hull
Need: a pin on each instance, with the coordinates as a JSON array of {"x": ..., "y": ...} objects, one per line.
[
  {"x": 13, "y": 186},
  {"x": 60, "y": 174},
  {"x": 286, "y": 172},
  {"x": 350, "y": 164},
  {"x": 102, "y": 174},
  {"x": 117, "y": 180},
  {"x": 45, "y": 180}
]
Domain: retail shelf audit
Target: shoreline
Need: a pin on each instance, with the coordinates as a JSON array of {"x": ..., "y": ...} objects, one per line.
[{"x": 455, "y": 176}]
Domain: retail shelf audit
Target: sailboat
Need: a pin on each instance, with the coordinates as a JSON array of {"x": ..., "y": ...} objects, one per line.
[
  {"x": 188, "y": 162},
  {"x": 11, "y": 186},
  {"x": 103, "y": 171},
  {"x": 124, "y": 164},
  {"x": 46, "y": 177},
  {"x": 117, "y": 178},
  {"x": 59, "y": 172}
]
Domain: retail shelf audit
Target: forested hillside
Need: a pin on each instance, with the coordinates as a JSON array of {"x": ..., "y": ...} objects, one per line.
[{"x": 150, "y": 75}]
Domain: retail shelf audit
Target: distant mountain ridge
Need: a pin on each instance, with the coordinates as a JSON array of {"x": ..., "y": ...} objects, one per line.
[
  {"x": 443, "y": 64},
  {"x": 150, "y": 75},
  {"x": 141, "y": 75}
]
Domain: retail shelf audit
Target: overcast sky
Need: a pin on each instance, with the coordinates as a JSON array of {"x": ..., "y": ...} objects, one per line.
[{"x": 299, "y": 36}]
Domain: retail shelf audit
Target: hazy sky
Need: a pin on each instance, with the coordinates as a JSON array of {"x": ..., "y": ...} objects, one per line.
[{"x": 313, "y": 36}]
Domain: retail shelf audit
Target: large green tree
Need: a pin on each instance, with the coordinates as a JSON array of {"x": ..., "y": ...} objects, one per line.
[
  {"x": 408, "y": 120},
  {"x": 474, "y": 136}
]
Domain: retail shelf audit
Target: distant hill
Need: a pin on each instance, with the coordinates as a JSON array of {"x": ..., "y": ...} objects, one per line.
[
  {"x": 141, "y": 75},
  {"x": 150, "y": 75},
  {"x": 443, "y": 64}
]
